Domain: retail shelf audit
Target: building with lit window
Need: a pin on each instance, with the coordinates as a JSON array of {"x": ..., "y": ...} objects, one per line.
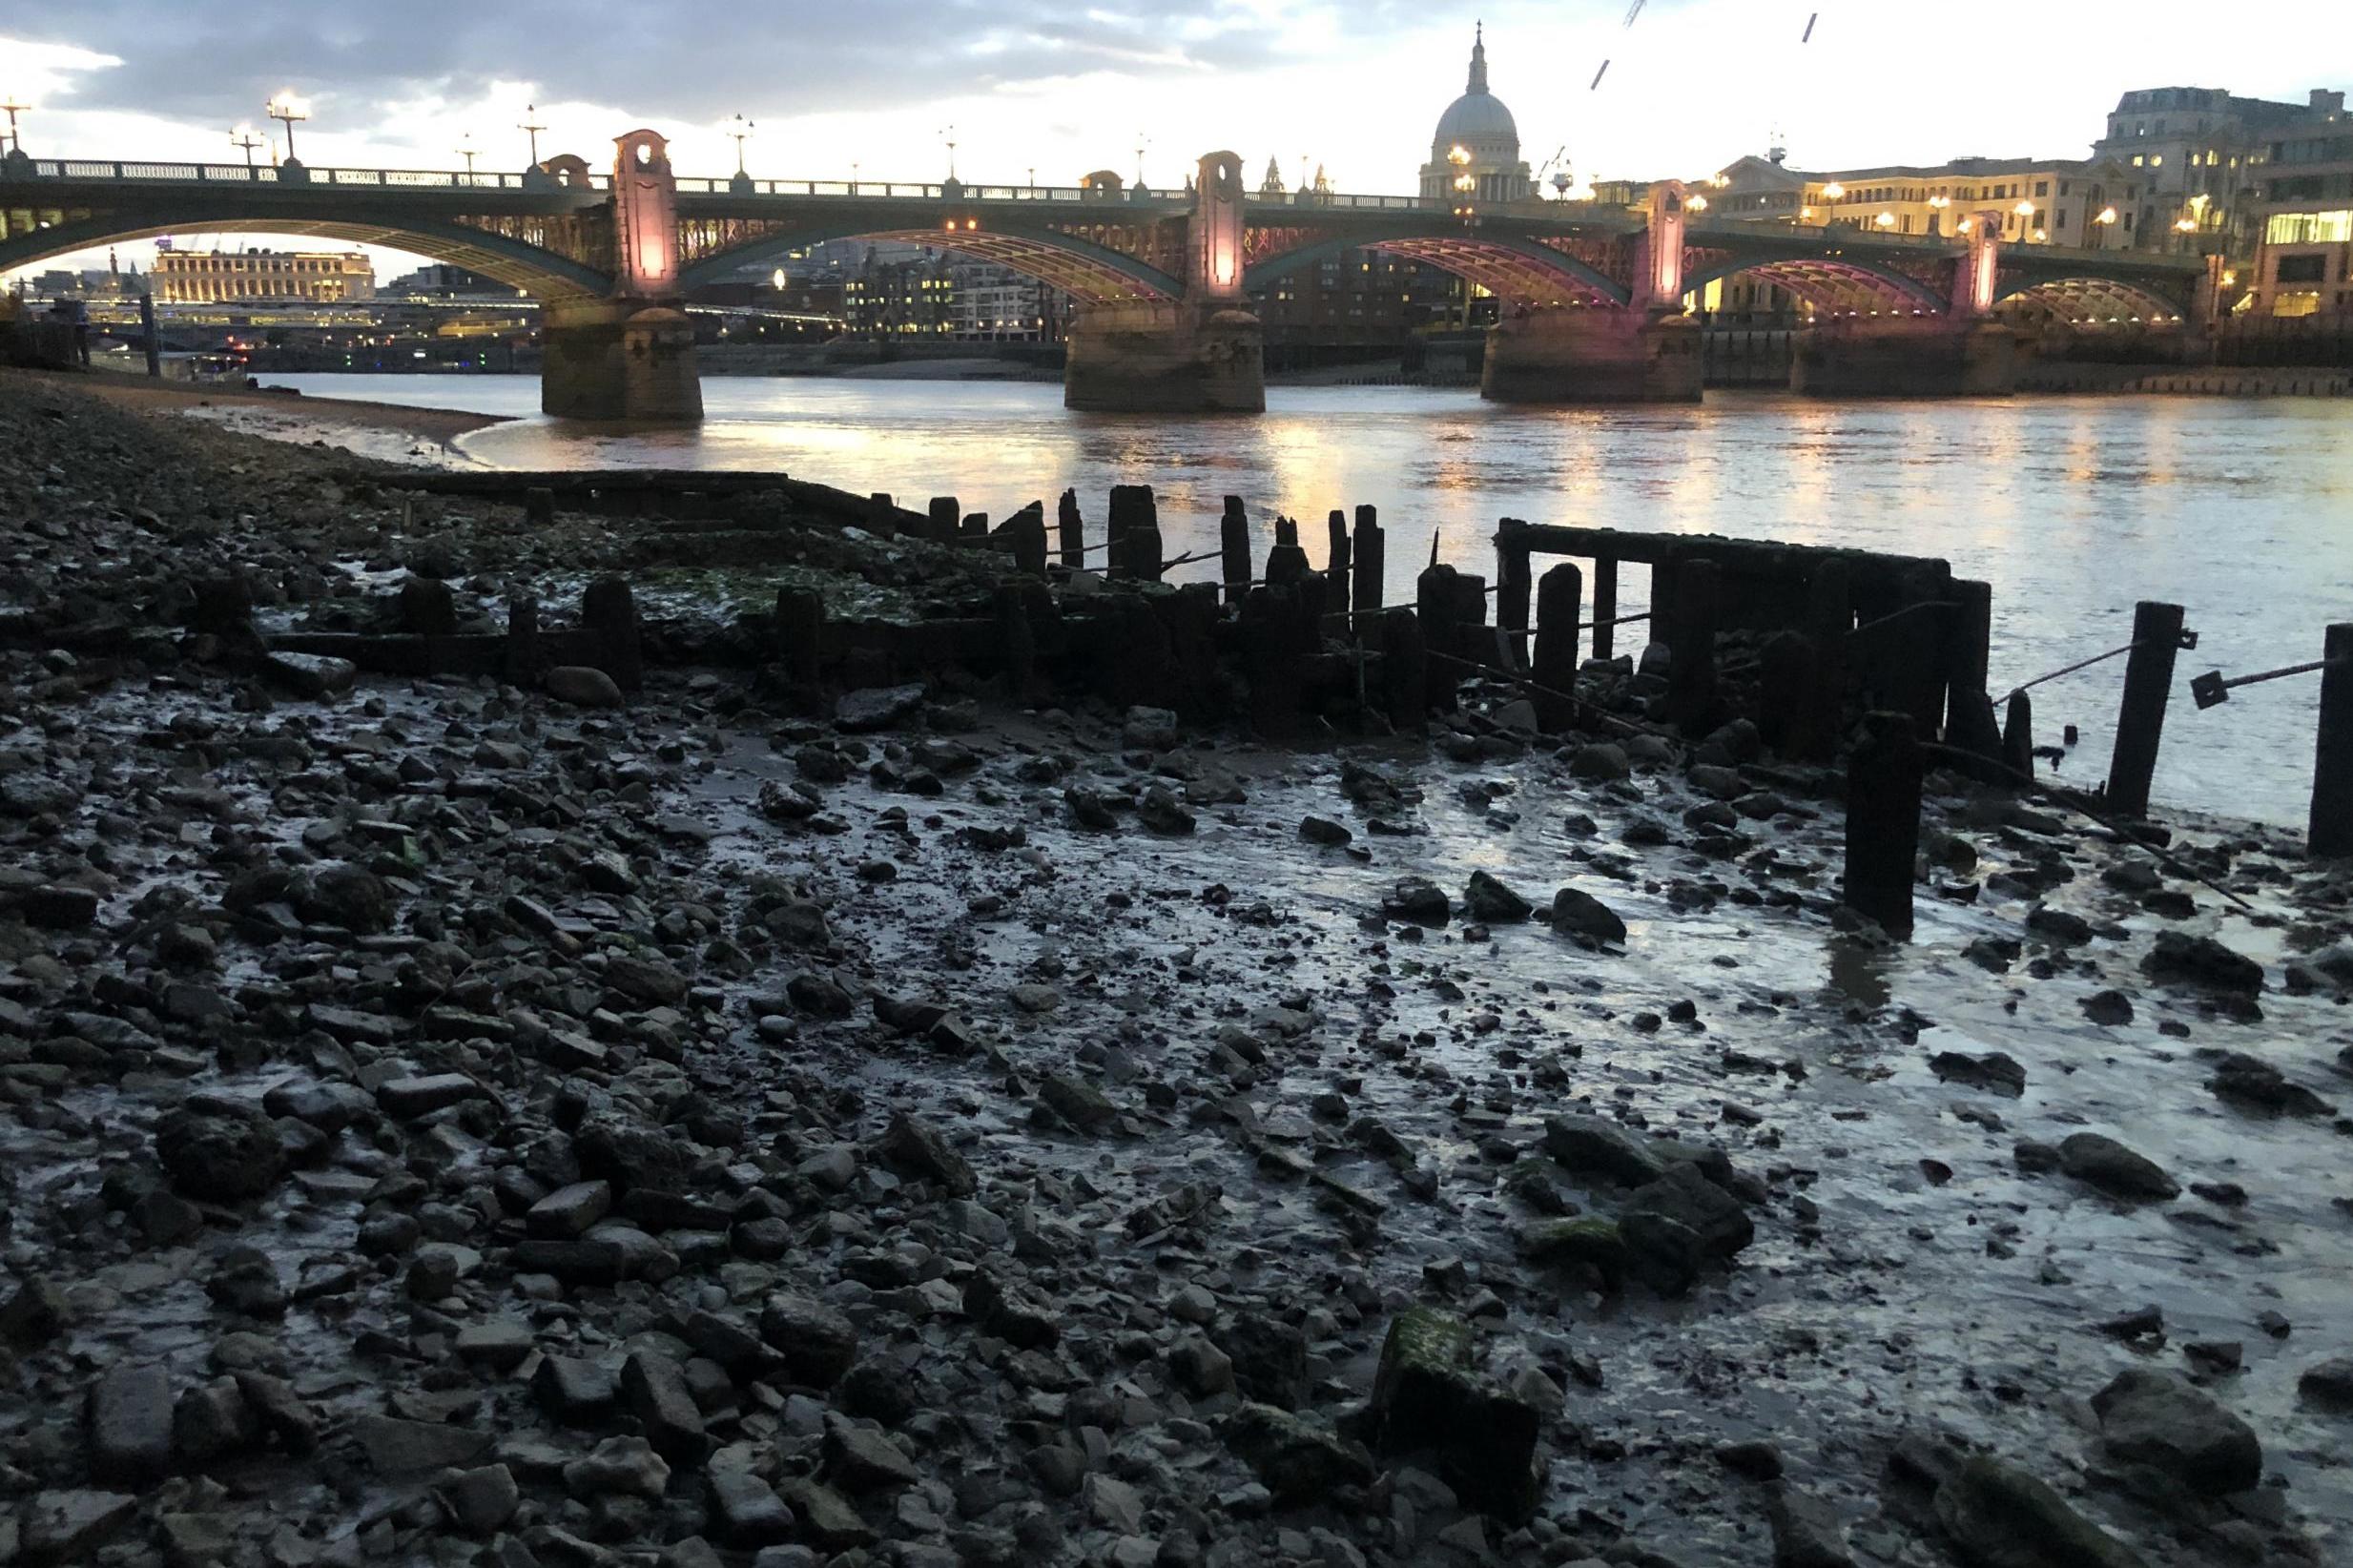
[
  {"x": 2197, "y": 158},
  {"x": 206, "y": 278},
  {"x": 1475, "y": 155},
  {"x": 2304, "y": 265},
  {"x": 2042, "y": 201}
]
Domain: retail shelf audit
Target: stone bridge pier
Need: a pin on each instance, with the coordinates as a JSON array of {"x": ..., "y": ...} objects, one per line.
[
  {"x": 1959, "y": 354},
  {"x": 629, "y": 357},
  {"x": 1648, "y": 352},
  {"x": 1205, "y": 353}
]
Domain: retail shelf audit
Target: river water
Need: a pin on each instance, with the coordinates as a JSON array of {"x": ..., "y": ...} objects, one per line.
[{"x": 2071, "y": 507}]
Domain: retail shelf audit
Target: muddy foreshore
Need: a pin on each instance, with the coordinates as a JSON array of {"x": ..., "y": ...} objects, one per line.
[{"x": 446, "y": 1124}]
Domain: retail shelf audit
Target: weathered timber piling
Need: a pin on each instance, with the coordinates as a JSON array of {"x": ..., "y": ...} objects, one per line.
[
  {"x": 1233, "y": 540},
  {"x": 1072, "y": 531},
  {"x": 975, "y": 528},
  {"x": 1785, "y": 691},
  {"x": 1969, "y": 635},
  {"x": 1015, "y": 642},
  {"x": 525, "y": 663},
  {"x": 1691, "y": 647},
  {"x": 1337, "y": 561},
  {"x": 1023, "y": 536},
  {"x": 1829, "y": 618},
  {"x": 800, "y": 633},
  {"x": 1436, "y": 606},
  {"x": 1371, "y": 560},
  {"x": 1883, "y": 821},
  {"x": 1605, "y": 606},
  {"x": 1269, "y": 660},
  {"x": 882, "y": 515},
  {"x": 427, "y": 607},
  {"x": 539, "y": 505},
  {"x": 2018, "y": 733},
  {"x": 1287, "y": 564},
  {"x": 1559, "y": 598},
  {"x": 609, "y": 608},
  {"x": 1513, "y": 584},
  {"x": 1405, "y": 669},
  {"x": 1139, "y": 553},
  {"x": 945, "y": 513},
  {"x": 1132, "y": 506},
  {"x": 2329, "y": 834},
  {"x": 2140, "y": 722}
]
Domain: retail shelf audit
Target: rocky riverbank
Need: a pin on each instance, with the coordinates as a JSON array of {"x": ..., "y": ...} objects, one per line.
[{"x": 454, "y": 1123}]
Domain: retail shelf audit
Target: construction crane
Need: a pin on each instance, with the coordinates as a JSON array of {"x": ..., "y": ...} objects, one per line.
[{"x": 1634, "y": 11}]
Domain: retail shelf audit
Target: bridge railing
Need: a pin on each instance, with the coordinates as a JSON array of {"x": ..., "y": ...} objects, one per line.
[{"x": 237, "y": 174}]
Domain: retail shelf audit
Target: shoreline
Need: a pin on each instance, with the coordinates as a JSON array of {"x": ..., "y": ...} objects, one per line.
[{"x": 285, "y": 417}]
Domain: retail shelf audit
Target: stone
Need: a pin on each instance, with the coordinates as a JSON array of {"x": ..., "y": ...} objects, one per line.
[
  {"x": 1995, "y": 1070},
  {"x": 36, "y": 1314},
  {"x": 499, "y": 1343},
  {"x": 818, "y": 1344},
  {"x": 128, "y": 1413},
  {"x": 1149, "y": 729},
  {"x": 212, "y": 1421},
  {"x": 2328, "y": 1386},
  {"x": 827, "y": 1518},
  {"x": 582, "y": 686},
  {"x": 1297, "y": 1460},
  {"x": 2151, "y": 1417},
  {"x": 1319, "y": 830},
  {"x": 745, "y": 1510},
  {"x": 1579, "y": 914},
  {"x": 877, "y": 707},
  {"x": 1585, "y": 1241},
  {"x": 1269, "y": 1359},
  {"x": 1807, "y": 1533},
  {"x": 481, "y": 1501},
  {"x": 62, "y": 1527},
  {"x": 2110, "y": 1009},
  {"x": 1200, "y": 1367},
  {"x": 2101, "y": 1162},
  {"x": 576, "y": 1392},
  {"x": 398, "y": 1448},
  {"x": 1587, "y": 1146},
  {"x": 1076, "y": 1101},
  {"x": 626, "y": 1466},
  {"x": 1428, "y": 1394},
  {"x": 350, "y": 898},
  {"x": 1997, "y": 1515},
  {"x": 309, "y": 675},
  {"x": 1490, "y": 900},
  {"x": 406, "y": 1099},
  {"x": 1416, "y": 900},
  {"x": 568, "y": 1211},
  {"x": 1677, "y": 1226},
  {"x": 283, "y": 1415},
  {"x": 2180, "y": 958},
  {"x": 653, "y": 1389},
  {"x": 924, "y": 1150},
  {"x": 53, "y": 908},
  {"x": 2252, "y": 1082},
  {"x": 219, "y": 1150},
  {"x": 860, "y": 1458},
  {"x": 1600, "y": 762}
]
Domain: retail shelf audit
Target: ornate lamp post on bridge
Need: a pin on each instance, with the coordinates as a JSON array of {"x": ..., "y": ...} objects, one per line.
[
  {"x": 466, "y": 151},
  {"x": 243, "y": 137},
  {"x": 287, "y": 108},
  {"x": 12, "y": 108},
  {"x": 741, "y": 184}
]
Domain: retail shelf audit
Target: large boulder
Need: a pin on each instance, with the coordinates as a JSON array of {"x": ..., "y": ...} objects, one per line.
[
  {"x": 2183, "y": 960},
  {"x": 2103, "y": 1163},
  {"x": 1996, "y": 1516},
  {"x": 221, "y": 1150},
  {"x": 1581, "y": 914},
  {"x": 2158, "y": 1419},
  {"x": 1678, "y": 1225},
  {"x": 1295, "y": 1459},
  {"x": 1429, "y": 1395}
]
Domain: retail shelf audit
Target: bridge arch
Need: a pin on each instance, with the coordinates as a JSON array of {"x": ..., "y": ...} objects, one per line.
[
  {"x": 1088, "y": 271},
  {"x": 1520, "y": 270},
  {"x": 2090, "y": 299},
  {"x": 1834, "y": 284},
  {"x": 518, "y": 264}
]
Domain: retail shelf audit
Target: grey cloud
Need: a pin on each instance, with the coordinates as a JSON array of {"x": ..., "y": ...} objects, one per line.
[{"x": 196, "y": 60}]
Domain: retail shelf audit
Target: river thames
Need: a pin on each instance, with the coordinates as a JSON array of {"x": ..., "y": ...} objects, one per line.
[{"x": 2071, "y": 507}]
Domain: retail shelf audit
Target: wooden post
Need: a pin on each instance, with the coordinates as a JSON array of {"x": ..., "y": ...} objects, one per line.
[
  {"x": 1405, "y": 665},
  {"x": 1270, "y": 661},
  {"x": 1435, "y": 601},
  {"x": 945, "y": 513},
  {"x": 882, "y": 515},
  {"x": 1023, "y": 536},
  {"x": 1883, "y": 821},
  {"x": 1015, "y": 643},
  {"x": 1968, "y": 633},
  {"x": 1691, "y": 642},
  {"x": 1287, "y": 564},
  {"x": 1370, "y": 561},
  {"x": 800, "y": 633},
  {"x": 1233, "y": 540},
  {"x": 1132, "y": 506},
  {"x": 1559, "y": 598},
  {"x": 539, "y": 505},
  {"x": 1073, "y": 530},
  {"x": 1605, "y": 606},
  {"x": 610, "y": 609},
  {"x": 2329, "y": 836},
  {"x": 1784, "y": 690},
  {"x": 427, "y": 607},
  {"x": 524, "y": 659},
  {"x": 2019, "y": 734},
  {"x": 976, "y": 525},
  {"x": 1336, "y": 562},
  {"x": 1829, "y": 616},
  {"x": 1511, "y": 587},
  {"x": 1142, "y": 550},
  {"x": 2147, "y": 676}
]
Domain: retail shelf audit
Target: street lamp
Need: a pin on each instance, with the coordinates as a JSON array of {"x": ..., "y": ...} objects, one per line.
[
  {"x": 2024, "y": 210},
  {"x": 2102, "y": 222},
  {"x": 1696, "y": 203},
  {"x": 1834, "y": 192},
  {"x": 466, "y": 151},
  {"x": 243, "y": 136},
  {"x": 530, "y": 127},
  {"x": 742, "y": 133},
  {"x": 287, "y": 108},
  {"x": 1937, "y": 206},
  {"x": 17, "y": 143}
]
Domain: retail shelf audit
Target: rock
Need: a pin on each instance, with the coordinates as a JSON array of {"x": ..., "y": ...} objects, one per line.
[
  {"x": 569, "y": 1210},
  {"x": 924, "y": 1150},
  {"x": 309, "y": 677},
  {"x": 2103, "y": 1163},
  {"x": 576, "y": 1392},
  {"x": 398, "y": 1448},
  {"x": 348, "y": 896},
  {"x": 653, "y": 1389},
  {"x": 1718, "y": 783},
  {"x": 1997, "y": 1515},
  {"x": 481, "y": 1501},
  {"x": 818, "y": 1344},
  {"x": 646, "y": 979},
  {"x": 1678, "y": 1225},
  {"x": 406, "y": 1099},
  {"x": 1298, "y": 1460},
  {"x": 2108, "y": 1009},
  {"x": 1149, "y": 729},
  {"x": 2328, "y": 1386},
  {"x": 1587, "y": 1146},
  {"x": 1427, "y": 1393},
  {"x": 1806, "y": 1531},
  {"x": 626, "y": 1466},
  {"x": 1586, "y": 1241},
  {"x": 862, "y": 1459},
  {"x": 1076, "y": 1101},
  {"x": 1200, "y": 1367},
  {"x": 2252, "y": 1081},
  {"x": 67, "y": 1526},
  {"x": 283, "y": 1415},
  {"x": 1417, "y": 900},
  {"x": 1600, "y": 762},
  {"x": 212, "y": 1421},
  {"x": 745, "y": 1510},
  {"x": 1579, "y": 914},
  {"x": 218, "y": 1150},
  {"x": 2184, "y": 959},
  {"x": 1490, "y": 900},
  {"x": 2156, "y": 1418},
  {"x": 1995, "y": 1070},
  {"x": 877, "y": 707},
  {"x": 582, "y": 686},
  {"x": 1269, "y": 1359},
  {"x": 1159, "y": 811},
  {"x": 55, "y": 908},
  {"x": 128, "y": 1412},
  {"x": 1317, "y": 830},
  {"x": 36, "y": 1314},
  {"x": 827, "y": 1518}
]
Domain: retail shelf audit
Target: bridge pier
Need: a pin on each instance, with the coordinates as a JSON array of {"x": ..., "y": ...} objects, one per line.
[
  {"x": 618, "y": 359},
  {"x": 1165, "y": 357},
  {"x": 1932, "y": 357},
  {"x": 1591, "y": 356}
]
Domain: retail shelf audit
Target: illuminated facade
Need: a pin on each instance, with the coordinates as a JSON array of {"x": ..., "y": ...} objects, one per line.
[
  {"x": 2197, "y": 157},
  {"x": 2042, "y": 201},
  {"x": 2304, "y": 264},
  {"x": 1477, "y": 142},
  {"x": 206, "y": 278}
]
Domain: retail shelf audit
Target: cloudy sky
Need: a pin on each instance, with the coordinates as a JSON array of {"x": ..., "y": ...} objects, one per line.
[{"x": 1064, "y": 88}]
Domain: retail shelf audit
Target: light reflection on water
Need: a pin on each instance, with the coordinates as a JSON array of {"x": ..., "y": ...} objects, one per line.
[{"x": 2071, "y": 507}]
